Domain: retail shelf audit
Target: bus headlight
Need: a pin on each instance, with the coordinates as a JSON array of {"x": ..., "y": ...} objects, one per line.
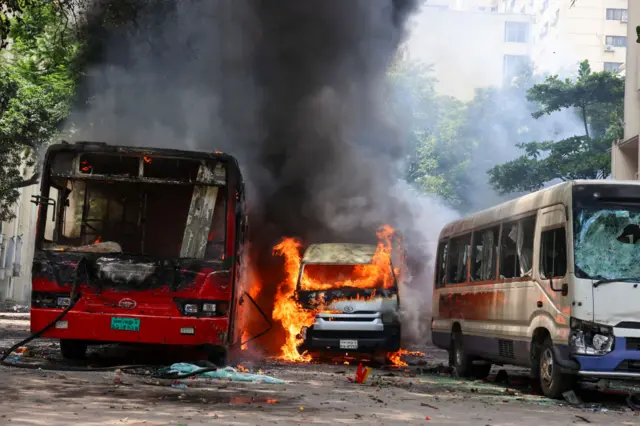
[
  {"x": 63, "y": 302},
  {"x": 588, "y": 338},
  {"x": 190, "y": 308}
]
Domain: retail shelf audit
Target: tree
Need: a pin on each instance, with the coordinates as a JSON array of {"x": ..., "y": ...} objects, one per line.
[
  {"x": 597, "y": 99},
  {"x": 437, "y": 159},
  {"x": 36, "y": 88}
]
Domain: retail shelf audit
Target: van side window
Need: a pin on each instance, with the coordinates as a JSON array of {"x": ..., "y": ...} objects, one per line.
[
  {"x": 516, "y": 248},
  {"x": 457, "y": 259},
  {"x": 553, "y": 253},
  {"x": 441, "y": 264},
  {"x": 483, "y": 254}
]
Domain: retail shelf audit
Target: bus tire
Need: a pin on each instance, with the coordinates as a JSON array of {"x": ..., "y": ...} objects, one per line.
[
  {"x": 458, "y": 358},
  {"x": 553, "y": 383},
  {"x": 218, "y": 357},
  {"x": 73, "y": 349}
]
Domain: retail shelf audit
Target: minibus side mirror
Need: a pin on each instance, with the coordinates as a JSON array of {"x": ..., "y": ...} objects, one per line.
[{"x": 564, "y": 290}]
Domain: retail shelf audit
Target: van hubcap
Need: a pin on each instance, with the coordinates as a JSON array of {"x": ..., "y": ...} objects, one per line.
[{"x": 546, "y": 366}]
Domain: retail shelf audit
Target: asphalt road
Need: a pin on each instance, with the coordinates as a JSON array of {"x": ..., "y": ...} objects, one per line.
[{"x": 320, "y": 393}]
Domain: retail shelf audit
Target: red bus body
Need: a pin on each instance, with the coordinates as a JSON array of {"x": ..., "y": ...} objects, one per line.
[{"x": 145, "y": 290}]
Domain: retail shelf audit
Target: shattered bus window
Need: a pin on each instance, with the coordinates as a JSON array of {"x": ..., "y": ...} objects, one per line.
[{"x": 137, "y": 216}]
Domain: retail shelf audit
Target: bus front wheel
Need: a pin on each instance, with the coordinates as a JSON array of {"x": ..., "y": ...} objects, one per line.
[
  {"x": 73, "y": 349},
  {"x": 552, "y": 381}
]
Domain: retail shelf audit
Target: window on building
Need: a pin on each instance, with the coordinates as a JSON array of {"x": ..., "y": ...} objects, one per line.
[
  {"x": 553, "y": 253},
  {"x": 457, "y": 263},
  {"x": 483, "y": 254},
  {"x": 516, "y": 32},
  {"x": 616, "y": 14},
  {"x": 514, "y": 65},
  {"x": 618, "y": 41},
  {"x": 516, "y": 248},
  {"x": 613, "y": 66},
  {"x": 442, "y": 264}
]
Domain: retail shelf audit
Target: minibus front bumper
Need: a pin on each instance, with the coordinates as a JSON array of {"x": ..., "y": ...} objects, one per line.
[{"x": 622, "y": 363}]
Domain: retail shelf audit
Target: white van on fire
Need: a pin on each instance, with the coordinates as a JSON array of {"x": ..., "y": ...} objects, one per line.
[
  {"x": 549, "y": 281},
  {"x": 359, "y": 300}
]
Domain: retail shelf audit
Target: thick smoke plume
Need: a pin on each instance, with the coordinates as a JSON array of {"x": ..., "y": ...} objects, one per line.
[{"x": 296, "y": 90}]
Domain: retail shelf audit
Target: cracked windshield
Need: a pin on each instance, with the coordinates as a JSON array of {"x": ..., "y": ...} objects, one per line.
[{"x": 606, "y": 243}]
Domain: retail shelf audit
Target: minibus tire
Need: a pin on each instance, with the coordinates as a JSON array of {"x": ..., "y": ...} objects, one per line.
[
  {"x": 73, "y": 349},
  {"x": 458, "y": 358},
  {"x": 553, "y": 383}
]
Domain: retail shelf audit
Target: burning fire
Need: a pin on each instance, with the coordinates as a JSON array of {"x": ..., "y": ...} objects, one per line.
[
  {"x": 287, "y": 310},
  {"x": 314, "y": 277},
  {"x": 293, "y": 316},
  {"x": 396, "y": 357}
]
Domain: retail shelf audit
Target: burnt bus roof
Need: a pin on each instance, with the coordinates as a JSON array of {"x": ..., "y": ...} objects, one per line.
[{"x": 103, "y": 147}]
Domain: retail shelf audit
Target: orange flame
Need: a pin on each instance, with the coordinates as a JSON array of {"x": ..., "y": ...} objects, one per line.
[
  {"x": 293, "y": 316},
  {"x": 147, "y": 160},
  {"x": 98, "y": 240},
  {"x": 324, "y": 277},
  {"x": 396, "y": 357},
  {"x": 85, "y": 166},
  {"x": 287, "y": 310}
]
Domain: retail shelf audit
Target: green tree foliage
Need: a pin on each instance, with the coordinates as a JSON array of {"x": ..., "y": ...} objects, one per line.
[
  {"x": 37, "y": 81},
  {"x": 437, "y": 156},
  {"x": 597, "y": 99}
]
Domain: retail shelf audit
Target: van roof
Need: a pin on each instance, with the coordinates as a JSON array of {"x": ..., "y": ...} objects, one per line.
[{"x": 339, "y": 254}]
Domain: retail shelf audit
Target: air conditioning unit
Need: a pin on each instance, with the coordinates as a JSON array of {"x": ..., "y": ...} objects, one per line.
[
  {"x": 624, "y": 19},
  {"x": 609, "y": 48}
]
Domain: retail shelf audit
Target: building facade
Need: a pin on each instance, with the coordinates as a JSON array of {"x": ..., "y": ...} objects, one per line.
[
  {"x": 624, "y": 153},
  {"x": 470, "y": 44},
  {"x": 564, "y": 35},
  {"x": 17, "y": 239}
]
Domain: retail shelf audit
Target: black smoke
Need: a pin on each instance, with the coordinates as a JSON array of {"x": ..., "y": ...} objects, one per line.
[{"x": 296, "y": 89}]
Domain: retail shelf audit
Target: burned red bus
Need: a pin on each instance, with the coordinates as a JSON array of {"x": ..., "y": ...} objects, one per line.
[{"x": 145, "y": 244}]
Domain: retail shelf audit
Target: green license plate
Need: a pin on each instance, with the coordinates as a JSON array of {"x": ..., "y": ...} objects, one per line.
[{"x": 128, "y": 324}]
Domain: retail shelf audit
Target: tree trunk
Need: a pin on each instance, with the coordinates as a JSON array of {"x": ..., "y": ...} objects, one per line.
[{"x": 584, "y": 120}]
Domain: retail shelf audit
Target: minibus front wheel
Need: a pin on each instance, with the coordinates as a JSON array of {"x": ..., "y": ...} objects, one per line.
[{"x": 552, "y": 381}]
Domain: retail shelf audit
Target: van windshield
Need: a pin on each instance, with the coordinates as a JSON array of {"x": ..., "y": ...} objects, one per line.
[
  {"x": 607, "y": 243},
  {"x": 331, "y": 277}
]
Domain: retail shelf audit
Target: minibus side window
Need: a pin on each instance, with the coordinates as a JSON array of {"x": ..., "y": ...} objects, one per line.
[
  {"x": 553, "y": 253},
  {"x": 483, "y": 254},
  {"x": 457, "y": 259},
  {"x": 441, "y": 264},
  {"x": 516, "y": 248}
]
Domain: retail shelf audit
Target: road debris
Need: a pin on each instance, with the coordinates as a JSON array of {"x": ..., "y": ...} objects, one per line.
[
  {"x": 361, "y": 374},
  {"x": 584, "y": 419},
  {"x": 572, "y": 398},
  {"x": 227, "y": 373},
  {"x": 424, "y": 404}
]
